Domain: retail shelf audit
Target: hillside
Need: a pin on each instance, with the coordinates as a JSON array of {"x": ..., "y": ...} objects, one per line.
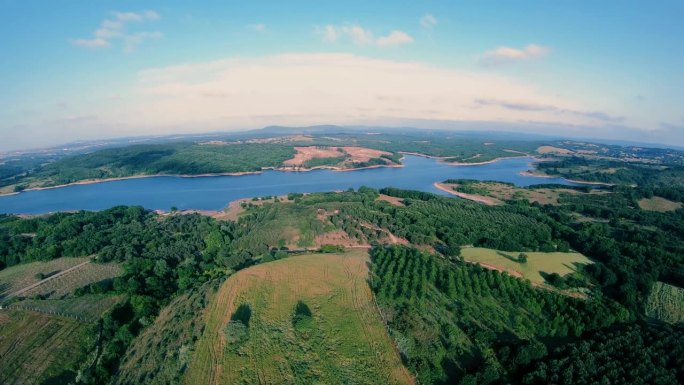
[{"x": 256, "y": 322}]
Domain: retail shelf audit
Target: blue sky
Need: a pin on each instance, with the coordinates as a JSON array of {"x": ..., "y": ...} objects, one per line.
[{"x": 83, "y": 70}]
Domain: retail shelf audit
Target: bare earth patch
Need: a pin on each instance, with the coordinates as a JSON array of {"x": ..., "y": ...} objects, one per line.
[
  {"x": 553, "y": 150},
  {"x": 354, "y": 155},
  {"x": 392, "y": 200},
  {"x": 305, "y": 154}
]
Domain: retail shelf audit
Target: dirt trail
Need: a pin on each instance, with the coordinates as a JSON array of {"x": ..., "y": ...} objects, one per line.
[{"x": 48, "y": 279}]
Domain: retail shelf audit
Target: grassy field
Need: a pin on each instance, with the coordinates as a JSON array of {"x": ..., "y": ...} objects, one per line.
[
  {"x": 257, "y": 332},
  {"x": 537, "y": 262},
  {"x": 666, "y": 303},
  {"x": 18, "y": 277},
  {"x": 21, "y": 276},
  {"x": 659, "y": 204},
  {"x": 35, "y": 348}
]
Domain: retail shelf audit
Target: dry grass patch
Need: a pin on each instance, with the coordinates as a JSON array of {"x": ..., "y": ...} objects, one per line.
[
  {"x": 659, "y": 204},
  {"x": 537, "y": 262},
  {"x": 341, "y": 340}
]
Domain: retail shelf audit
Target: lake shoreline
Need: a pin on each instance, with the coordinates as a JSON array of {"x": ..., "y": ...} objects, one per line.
[
  {"x": 532, "y": 174},
  {"x": 205, "y": 175}
]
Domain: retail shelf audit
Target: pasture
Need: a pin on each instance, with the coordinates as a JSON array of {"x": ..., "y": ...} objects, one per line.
[
  {"x": 303, "y": 319},
  {"x": 537, "y": 262}
]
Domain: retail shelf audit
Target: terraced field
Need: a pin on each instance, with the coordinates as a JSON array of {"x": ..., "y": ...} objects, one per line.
[{"x": 255, "y": 333}]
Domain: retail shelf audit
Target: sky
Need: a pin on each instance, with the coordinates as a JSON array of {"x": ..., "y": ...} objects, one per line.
[{"x": 83, "y": 70}]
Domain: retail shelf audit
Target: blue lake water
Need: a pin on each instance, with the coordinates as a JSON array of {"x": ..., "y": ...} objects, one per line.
[{"x": 215, "y": 192}]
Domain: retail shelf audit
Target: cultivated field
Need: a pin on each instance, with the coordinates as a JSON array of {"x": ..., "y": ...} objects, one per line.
[
  {"x": 25, "y": 280},
  {"x": 659, "y": 204},
  {"x": 666, "y": 303},
  {"x": 537, "y": 262},
  {"x": 36, "y": 348},
  {"x": 18, "y": 277},
  {"x": 342, "y": 340}
]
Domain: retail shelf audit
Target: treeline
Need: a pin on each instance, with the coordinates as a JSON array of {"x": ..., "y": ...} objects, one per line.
[
  {"x": 453, "y": 321},
  {"x": 168, "y": 159},
  {"x": 622, "y": 173}
]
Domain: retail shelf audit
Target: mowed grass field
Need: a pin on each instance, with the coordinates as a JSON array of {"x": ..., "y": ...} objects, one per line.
[
  {"x": 666, "y": 303},
  {"x": 343, "y": 341},
  {"x": 36, "y": 347},
  {"x": 537, "y": 262}
]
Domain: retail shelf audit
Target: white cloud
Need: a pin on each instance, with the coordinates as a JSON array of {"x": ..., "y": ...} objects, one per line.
[
  {"x": 339, "y": 89},
  {"x": 505, "y": 55},
  {"x": 329, "y": 33},
  {"x": 361, "y": 36},
  {"x": 96, "y": 42},
  {"x": 428, "y": 21},
  {"x": 394, "y": 38},
  {"x": 115, "y": 28},
  {"x": 257, "y": 27}
]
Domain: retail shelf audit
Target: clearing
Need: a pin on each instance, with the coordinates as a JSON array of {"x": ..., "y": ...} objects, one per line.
[
  {"x": 666, "y": 303},
  {"x": 659, "y": 204},
  {"x": 258, "y": 331},
  {"x": 537, "y": 262}
]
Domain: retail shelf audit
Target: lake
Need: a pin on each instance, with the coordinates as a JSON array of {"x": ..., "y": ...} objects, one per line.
[{"x": 215, "y": 192}]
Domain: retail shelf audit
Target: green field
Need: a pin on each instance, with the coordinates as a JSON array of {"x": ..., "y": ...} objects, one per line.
[
  {"x": 666, "y": 303},
  {"x": 537, "y": 262},
  {"x": 36, "y": 347},
  {"x": 253, "y": 336}
]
